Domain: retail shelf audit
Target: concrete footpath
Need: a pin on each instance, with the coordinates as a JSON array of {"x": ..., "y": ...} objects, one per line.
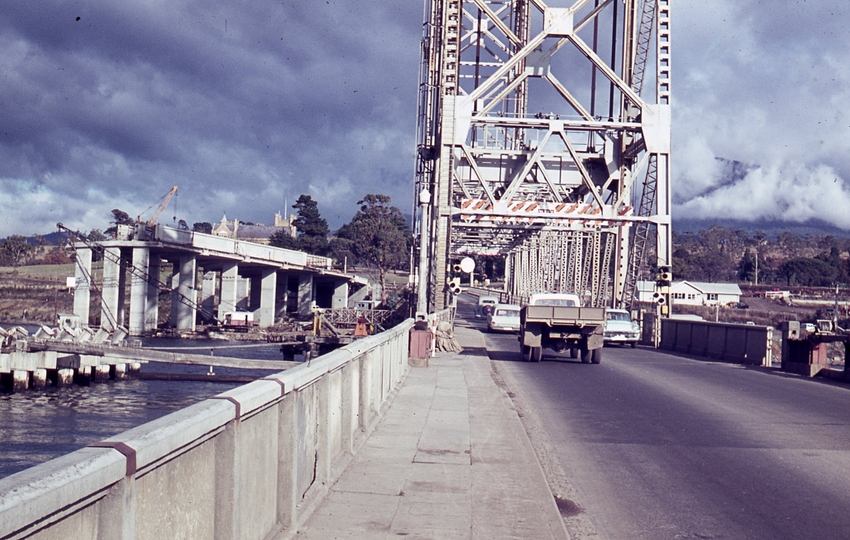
[{"x": 450, "y": 459}]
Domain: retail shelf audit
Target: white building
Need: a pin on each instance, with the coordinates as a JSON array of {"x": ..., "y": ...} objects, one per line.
[{"x": 694, "y": 293}]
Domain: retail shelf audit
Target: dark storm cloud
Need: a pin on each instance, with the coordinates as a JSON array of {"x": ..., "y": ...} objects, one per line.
[
  {"x": 246, "y": 105},
  {"x": 242, "y": 105}
]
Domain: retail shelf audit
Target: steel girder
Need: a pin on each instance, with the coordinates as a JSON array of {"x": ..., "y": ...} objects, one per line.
[{"x": 532, "y": 124}]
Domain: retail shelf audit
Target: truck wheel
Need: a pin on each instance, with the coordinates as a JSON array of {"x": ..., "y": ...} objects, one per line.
[
  {"x": 526, "y": 353},
  {"x": 634, "y": 344},
  {"x": 573, "y": 352},
  {"x": 596, "y": 355},
  {"x": 586, "y": 355},
  {"x": 536, "y": 354}
]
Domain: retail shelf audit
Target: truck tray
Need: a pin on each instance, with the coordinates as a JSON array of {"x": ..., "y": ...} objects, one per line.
[{"x": 564, "y": 315}]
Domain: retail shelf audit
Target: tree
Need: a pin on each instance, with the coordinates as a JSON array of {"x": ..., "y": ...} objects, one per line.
[
  {"x": 16, "y": 249},
  {"x": 341, "y": 249},
  {"x": 202, "y": 227},
  {"x": 56, "y": 255},
  {"x": 119, "y": 217},
  {"x": 380, "y": 235},
  {"x": 95, "y": 235},
  {"x": 747, "y": 267},
  {"x": 283, "y": 239},
  {"x": 182, "y": 225},
  {"x": 312, "y": 227},
  {"x": 809, "y": 272}
]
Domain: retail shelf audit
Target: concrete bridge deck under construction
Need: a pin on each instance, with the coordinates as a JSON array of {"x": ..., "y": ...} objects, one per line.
[{"x": 236, "y": 276}]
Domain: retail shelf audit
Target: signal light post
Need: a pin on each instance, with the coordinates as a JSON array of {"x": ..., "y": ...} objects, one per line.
[{"x": 661, "y": 296}]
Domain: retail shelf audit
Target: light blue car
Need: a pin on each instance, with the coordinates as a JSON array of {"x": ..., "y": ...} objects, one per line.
[
  {"x": 619, "y": 328},
  {"x": 505, "y": 318}
]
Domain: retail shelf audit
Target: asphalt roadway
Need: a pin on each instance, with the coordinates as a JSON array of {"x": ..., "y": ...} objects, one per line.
[{"x": 651, "y": 445}]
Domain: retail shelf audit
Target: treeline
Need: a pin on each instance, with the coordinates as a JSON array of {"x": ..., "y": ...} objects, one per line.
[
  {"x": 719, "y": 254},
  {"x": 18, "y": 250},
  {"x": 377, "y": 236}
]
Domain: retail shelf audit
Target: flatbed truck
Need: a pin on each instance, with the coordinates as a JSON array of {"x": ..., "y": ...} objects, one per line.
[{"x": 557, "y": 321}]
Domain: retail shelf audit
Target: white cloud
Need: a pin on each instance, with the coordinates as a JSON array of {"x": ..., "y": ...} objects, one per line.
[
  {"x": 698, "y": 168},
  {"x": 790, "y": 192}
]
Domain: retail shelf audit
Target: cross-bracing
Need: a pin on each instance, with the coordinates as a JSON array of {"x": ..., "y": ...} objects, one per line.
[{"x": 537, "y": 143}]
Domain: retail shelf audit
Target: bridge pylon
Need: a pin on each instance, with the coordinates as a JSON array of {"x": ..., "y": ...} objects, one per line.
[{"x": 534, "y": 139}]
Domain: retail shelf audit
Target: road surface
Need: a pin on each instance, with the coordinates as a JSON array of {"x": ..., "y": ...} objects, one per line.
[{"x": 650, "y": 445}]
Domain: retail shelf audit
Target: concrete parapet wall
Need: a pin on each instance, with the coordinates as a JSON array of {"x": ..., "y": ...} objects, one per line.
[
  {"x": 250, "y": 463},
  {"x": 741, "y": 344}
]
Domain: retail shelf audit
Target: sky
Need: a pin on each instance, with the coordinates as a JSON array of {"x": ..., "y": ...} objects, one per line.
[{"x": 246, "y": 105}]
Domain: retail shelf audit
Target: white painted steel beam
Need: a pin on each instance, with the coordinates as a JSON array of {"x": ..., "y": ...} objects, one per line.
[{"x": 514, "y": 126}]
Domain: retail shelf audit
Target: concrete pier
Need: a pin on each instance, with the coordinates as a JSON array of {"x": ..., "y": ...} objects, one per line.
[
  {"x": 64, "y": 377},
  {"x": 119, "y": 371},
  {"x": 101, "y": 373},
  {"x": 20, "y": 380},
  {"x": 39, "y": 378}
]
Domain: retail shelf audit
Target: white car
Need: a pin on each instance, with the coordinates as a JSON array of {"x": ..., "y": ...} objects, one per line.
[
  {"x": 619, "y": 328},
  {"x": 505, "y": 318}
]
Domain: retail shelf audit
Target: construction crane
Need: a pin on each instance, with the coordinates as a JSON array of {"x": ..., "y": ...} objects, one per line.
[{"x": 159, "y": 209}]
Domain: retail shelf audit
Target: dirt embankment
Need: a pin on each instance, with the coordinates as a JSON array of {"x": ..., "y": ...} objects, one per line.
[{"x": 35, "y": 294}]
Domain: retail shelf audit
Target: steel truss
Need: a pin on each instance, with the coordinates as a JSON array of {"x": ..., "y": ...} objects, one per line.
[{"x": 534, "y": 140}]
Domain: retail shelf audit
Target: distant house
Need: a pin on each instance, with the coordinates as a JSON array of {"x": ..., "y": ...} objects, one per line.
[
  {"x": 258, "y": 233},
  {"x": 694, "y": 293}
]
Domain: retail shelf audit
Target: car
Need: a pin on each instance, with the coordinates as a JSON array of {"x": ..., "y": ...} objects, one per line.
[
  {"x": 505, "y": 318},
  {"x": 619, "y": 328},
  {"x": 485, "y": 306}
]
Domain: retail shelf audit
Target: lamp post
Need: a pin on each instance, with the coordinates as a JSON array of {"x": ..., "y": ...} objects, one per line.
[{"x": 424, "y": 233}]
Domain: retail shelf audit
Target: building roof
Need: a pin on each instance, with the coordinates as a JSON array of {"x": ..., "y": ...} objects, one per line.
[
  {"x": 256, "y": 231},
  {"x": 714, "y": 288},
  {"x": 703, "y": 287}
]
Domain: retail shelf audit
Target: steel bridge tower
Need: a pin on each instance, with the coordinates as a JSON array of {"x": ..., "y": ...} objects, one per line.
[{"x": 536, "y": 143}]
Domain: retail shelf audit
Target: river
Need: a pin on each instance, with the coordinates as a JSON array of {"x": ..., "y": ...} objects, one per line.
[{"x": 39, "y": 425}]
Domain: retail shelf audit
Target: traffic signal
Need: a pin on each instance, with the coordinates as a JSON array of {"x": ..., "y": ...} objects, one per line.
[
  {"x": 456, "y": 268},
  {"x": 454, "y": 286},
  {"x": 664, "y": 276},
  {"x": 659, "y": 298}
]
